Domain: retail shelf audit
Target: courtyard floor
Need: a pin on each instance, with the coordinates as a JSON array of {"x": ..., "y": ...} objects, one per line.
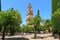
[{"x": 39, "y": 37}]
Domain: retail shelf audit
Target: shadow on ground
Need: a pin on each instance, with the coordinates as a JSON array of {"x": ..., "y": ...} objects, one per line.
[
  {"x": 39, "y": 37},
  {"x": 16, "y": 38},
  {"x": 20, "y": 38}
]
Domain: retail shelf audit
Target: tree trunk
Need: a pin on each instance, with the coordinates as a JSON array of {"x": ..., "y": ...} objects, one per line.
[
  {"x": 12, "y": 30},
  {"x": 59, "y": 36},
  {"x": 6, "y": 32},
  {"x": 3, "y": 36},
  {"x": 35, "y": 32}
]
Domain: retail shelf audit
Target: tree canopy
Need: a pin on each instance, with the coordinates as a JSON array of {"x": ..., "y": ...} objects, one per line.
[
  {"x": 55, "y": 5},
  {"x": 56, "y": 20}
]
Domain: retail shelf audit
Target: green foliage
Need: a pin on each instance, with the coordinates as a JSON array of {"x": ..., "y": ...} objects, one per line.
[
  {"x": 37, "y": 20},
  {"x": 14, "y": 20},
  {"x": 48, "y": 24},
  {"x": 11, "y": 19},
  {"x": 31, "y": 22},
  {"x": 26, "y": 29},
  {"x": 55, "y": 5},
  {"x": 56, "y": 20},
  {"x": 0, "y": 21}
]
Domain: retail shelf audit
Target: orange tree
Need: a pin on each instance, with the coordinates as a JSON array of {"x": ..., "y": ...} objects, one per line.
[
  {"x": 10, "y": 18},
  {"x": 56, "y": 22}
]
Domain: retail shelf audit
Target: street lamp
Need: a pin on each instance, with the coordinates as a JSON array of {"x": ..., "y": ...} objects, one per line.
[{"x": 0, "y": 5}]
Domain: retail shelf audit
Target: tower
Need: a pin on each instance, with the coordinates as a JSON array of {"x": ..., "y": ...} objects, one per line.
[
  {"x": 29, "y": 13},
  {"x": 0, "y": 5}
]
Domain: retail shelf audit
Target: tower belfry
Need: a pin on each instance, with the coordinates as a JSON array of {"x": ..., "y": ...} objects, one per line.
[
  {"x": 0, "y": 5},
  {"x": 29, "y": 13}
]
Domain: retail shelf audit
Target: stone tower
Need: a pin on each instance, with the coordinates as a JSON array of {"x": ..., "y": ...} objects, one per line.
[{"x": 29, "y": 13}]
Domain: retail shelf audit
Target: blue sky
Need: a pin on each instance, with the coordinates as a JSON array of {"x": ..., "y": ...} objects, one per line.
[{"x": 43, "y": 5}]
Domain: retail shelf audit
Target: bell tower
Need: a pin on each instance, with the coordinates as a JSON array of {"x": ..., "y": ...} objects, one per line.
[{"x": 29, "y": 13}]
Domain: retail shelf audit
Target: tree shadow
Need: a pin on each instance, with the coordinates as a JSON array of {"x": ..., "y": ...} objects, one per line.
[
  {"x": 40, "y": 37},
  {"x": 19, "y": 38}
]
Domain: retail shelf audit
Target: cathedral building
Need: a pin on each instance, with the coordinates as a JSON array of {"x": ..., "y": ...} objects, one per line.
[{"x": 29, "y": 13}]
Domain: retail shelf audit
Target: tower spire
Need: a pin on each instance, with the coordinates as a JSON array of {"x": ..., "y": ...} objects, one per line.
[{"x": 0, "y": 5}]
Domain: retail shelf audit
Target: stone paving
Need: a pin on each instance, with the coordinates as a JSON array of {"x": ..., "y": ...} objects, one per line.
[
  {"x": 46, "y": 37},
  {"x": 30, "y": 37}
]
